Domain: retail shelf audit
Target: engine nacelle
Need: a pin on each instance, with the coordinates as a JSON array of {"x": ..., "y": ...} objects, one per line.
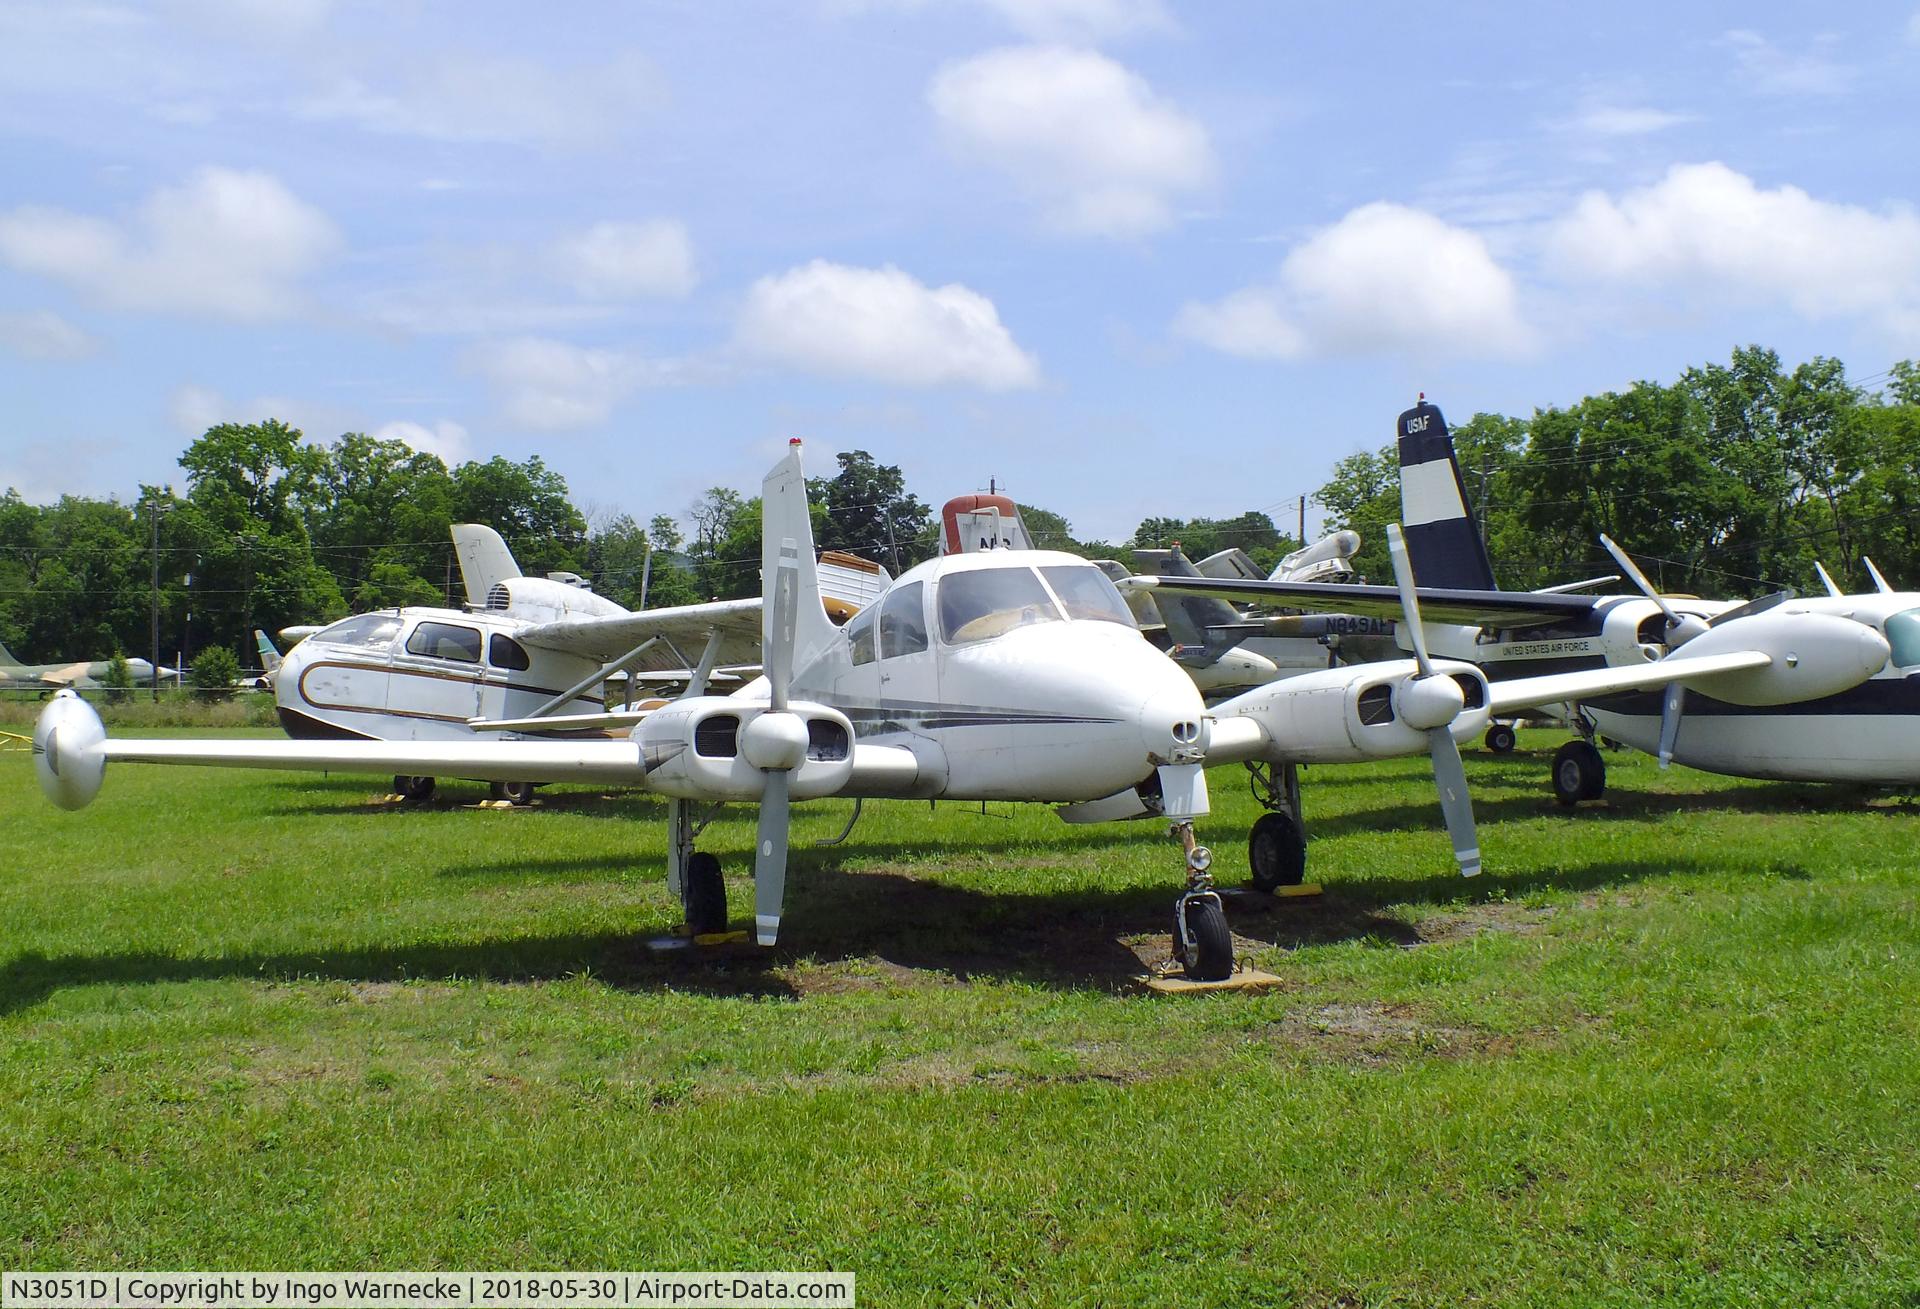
[
  {"x": 1814, "y": 655},
  {"x": 66, "y": 751},
  {"x": 544, "y": 600},
  {"x": 1348, "y": 715},
  {"x": 715, "y": 747}
]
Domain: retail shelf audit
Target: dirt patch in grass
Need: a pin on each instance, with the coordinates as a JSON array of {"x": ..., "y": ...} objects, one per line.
[{"x": 1378, "y": 1034}]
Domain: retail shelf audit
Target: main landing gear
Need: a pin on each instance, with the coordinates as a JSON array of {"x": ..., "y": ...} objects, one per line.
[
  {"x": 1201, "y": 940},
  {"x": 1579, "y": 773},
  {"x": 517, "y": 794},
  {"x": 1277, "y": 846},
  {"x": 692, "y": 874},
  {"x": 414, "y": 790}
]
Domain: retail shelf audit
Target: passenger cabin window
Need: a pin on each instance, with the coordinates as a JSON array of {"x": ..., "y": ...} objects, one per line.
[
  {"x": 367, "y": 629},
  {"x": 505, "y": 652},
  {"x": 903, "y": 621},
  {"x": 983, "y": 603},
  {"x": 1903, "y": 636},
  {"x": 860, "y": 635},
  {"x": 445, "y": 641},
  {"x": 1087, "y": 593}
]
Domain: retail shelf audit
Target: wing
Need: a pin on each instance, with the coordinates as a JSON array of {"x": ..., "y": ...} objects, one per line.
[
  {"x": 485, "y": 761},
  {"x": 1531, "y": 692},
  {"x": 1437, "y": 604},
  {"x": 683, "y": 631}
]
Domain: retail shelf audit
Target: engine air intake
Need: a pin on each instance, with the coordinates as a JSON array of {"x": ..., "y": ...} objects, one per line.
[{"x": 717, "y": 737}]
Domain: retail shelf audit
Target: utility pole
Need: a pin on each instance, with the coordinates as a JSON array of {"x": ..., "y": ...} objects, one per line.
[
  {"x": 153, "y": 523},
  {"x": 1303, "y": 519},
  {"x": 646, "y": 575}
]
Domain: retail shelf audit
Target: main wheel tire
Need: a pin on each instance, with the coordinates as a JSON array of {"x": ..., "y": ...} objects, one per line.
[
  {"x": 1276, "y": 852},
  {"x": 706, "y": 895},
  {"x": 1501, "y": 738},
  {"x": 1579, "y": 773},
  {"x": 1211, "y": 959},
  {"x": 515, "y": 793},
  {"x": 415, "y": 789}
]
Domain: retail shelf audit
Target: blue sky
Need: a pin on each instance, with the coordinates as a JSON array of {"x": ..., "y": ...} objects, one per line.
[{"x": 1125, "y": 257}]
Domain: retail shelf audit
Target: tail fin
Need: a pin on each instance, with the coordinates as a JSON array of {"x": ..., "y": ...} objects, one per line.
[
  {"x": 269, "y": 656},
  {"x": 484, "y": 560},
  {"x": 784, "y": 517},
  {"x": 1443, "y": 537},
  {"x": 1201, "y": 628},
  {"x": 6, "y": 658}
]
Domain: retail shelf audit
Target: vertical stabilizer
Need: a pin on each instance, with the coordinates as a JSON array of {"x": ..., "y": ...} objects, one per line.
[
  {"x": 484, "y": 560},
  {"x": 1443, "y": 537},
  {"x": 784, "y": 516},
  {"x": 269, "y": 656},
  {"x": 6, "y": 658}
]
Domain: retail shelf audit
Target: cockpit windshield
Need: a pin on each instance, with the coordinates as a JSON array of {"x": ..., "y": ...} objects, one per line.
[
  {"x": 1087, "y": 593},
  {"x": 982, "y": 603},
  {"x": 1903, "y": 636},
  {"x": 367, "y": 629}
]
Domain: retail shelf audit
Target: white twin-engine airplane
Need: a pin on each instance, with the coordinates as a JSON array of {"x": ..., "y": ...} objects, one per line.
[{"x": 1006, "y": 674}]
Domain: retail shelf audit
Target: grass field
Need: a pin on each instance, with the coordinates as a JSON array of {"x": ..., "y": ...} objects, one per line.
[{"x": 1666, "y": 1050}]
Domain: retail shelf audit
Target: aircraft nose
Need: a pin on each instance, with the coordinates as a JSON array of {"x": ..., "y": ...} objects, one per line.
[{"x": 1173, "y": 721}]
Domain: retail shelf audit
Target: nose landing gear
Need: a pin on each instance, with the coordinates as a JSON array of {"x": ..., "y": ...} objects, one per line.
[{"x": 1201, "y": 941}]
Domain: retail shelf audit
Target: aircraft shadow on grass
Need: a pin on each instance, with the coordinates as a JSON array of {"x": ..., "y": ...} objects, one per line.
[{"x": 1067, "y": 939}]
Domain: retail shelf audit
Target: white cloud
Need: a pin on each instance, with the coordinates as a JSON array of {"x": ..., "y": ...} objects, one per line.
[
  {"x": 501, "y": 98},
  {"x": 193, "y": 409},
  {"x": 1623, "y": 120},
  {"x": 41, "y": 334},
  {"x": 611, "y": 261},
  {"x": 224, "y": 243},
  {"x": 1708, "y": 228},
  {"x": 446, "y": 439},
  {"x": 1384, "y": 278},
  {"x": 553, "y": 385},
  {"x": 1766, "y": 67},
  {"x": 882, "y": 324},
  {"x": 1085, "y": 137}
]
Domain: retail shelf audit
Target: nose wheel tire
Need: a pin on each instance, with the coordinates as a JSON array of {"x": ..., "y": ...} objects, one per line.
[
  {"x": 705, "y": 895},
  {"x": 1276, "y": 852},
  {"x": 1500, "y": 738},
  {"x": 1579, "y": 773},
  {"x": 1210, "y": 957},
  {"x": 413, "y": 789}
]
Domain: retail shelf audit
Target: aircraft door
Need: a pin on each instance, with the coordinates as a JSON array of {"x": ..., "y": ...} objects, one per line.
[
  {"x": 437, "y": 677},
  {"x": 907, "y": 666}
]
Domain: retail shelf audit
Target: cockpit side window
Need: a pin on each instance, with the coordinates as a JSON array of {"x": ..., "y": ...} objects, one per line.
[
  {"x": 903, "y": 621},
  {"x": 367, "y": 629},
  {"x": 445, "y": 641},
  {"x": 983, "y": 603},
  {"x": 1903, "y": 635},
  {"x": 860, "y": 635},
  {"x": 505, "y": 652},
  {"x": 1086, "y": 593}
]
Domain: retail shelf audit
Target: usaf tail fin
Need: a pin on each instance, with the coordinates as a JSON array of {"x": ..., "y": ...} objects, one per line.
[
  {"x": 484, "y": 560},
  {"x": 1443, "y": 537}
]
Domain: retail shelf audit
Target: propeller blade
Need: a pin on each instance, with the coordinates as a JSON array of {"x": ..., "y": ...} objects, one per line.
[
  {"x": 1450, "y": 775},
  {"x": 783, "y": 618},
  {"x": 1409, "y": 597},
  {"x": 1632, "y": 570},
  {"x": 1670, "y": 711},
  {"x": 770, "y": 857},
  {"x": 1878, "y": 581},
  {"x": 1826, "y": 580}
]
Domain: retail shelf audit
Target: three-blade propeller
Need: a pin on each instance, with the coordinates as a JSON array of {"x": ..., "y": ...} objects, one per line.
[{"x": 1431, "y": 702}]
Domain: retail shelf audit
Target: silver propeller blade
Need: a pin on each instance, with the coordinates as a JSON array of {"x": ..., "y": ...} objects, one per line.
[
  {"x": 770, "y": 858},
  {"x": 1450, "y": 775},
  {"x": 1680, "y": 627},
  {"x": 1670, "y": 711},
  {"x": 1878, "y": 581},
  {"x": 783, "y": 617},
  {"x": 1826, "y": 580},
  {"x": 1409, "y": 597}
]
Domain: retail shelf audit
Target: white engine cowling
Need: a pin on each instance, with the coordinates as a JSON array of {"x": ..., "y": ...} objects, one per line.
[
  {"x": 1371, "y": 711},
  {"x": 66, "y": 751},
  {"x": 1814, "y": 655},
  {"x": 543, "y": 600},
  {"x": 716, "y": 747}
]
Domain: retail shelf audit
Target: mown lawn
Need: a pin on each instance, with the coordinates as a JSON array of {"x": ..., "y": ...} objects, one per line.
[{"x": 1667, "y": 1050}]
